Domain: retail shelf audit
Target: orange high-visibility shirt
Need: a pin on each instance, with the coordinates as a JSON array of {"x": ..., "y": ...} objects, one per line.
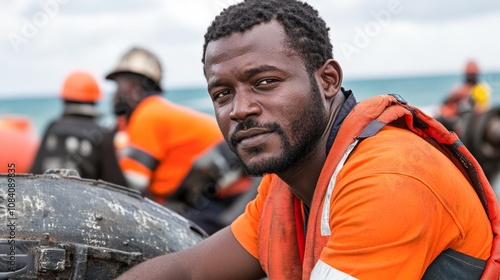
[
  {"x": 397, "y": 204},
  {"x": 170, "y": 137}
]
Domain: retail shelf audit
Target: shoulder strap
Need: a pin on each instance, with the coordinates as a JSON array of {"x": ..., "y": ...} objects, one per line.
[{"x": 279, "y": 254}]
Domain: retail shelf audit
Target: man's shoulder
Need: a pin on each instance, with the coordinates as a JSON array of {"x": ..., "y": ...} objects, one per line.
[
  {"x": 152, "y": 102},
  {"x": 396, "y": 149},
  {"x": 401, "y": 153},
  {"x": 152, "y": 109}
]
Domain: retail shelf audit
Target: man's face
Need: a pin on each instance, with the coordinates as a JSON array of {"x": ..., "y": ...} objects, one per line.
[
  {"x": 471, "y": 78},
  {"x": 269, "y": 110},
  {"x": 124, "y": 98}
]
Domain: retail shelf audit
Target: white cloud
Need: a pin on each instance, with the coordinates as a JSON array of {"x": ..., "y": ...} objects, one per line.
[
  {"x": 409, "y": 47},
  {"x": 424, "y": 37}
]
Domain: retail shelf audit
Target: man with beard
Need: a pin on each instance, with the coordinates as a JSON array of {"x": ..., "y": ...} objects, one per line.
[
  {"x": 350, "y": 191},
  {"x": 162, "y": 139}
]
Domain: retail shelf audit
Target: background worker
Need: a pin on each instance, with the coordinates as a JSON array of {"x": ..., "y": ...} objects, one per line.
[
  {"x": 471, "y": 95},
  {"x": 75, "y": 140},
  {"x": 162, "y": 139},
  {"x": 350, "y": 190},
  {"x": 467, "y": 112}
]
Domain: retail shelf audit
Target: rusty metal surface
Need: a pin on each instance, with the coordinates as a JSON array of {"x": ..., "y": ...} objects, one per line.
[{"x": 76, "y": 228}]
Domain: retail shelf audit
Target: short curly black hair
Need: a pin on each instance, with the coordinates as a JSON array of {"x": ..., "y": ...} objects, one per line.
[{"x": 306, "y": 31}]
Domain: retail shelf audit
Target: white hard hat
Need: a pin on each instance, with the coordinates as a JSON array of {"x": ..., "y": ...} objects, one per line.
[{"x": 139, "y": 61}]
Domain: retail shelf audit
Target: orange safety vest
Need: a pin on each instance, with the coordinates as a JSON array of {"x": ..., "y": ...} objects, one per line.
[
  {"x": 164, "y": 139},
  {"x": 366, "y": 119}
]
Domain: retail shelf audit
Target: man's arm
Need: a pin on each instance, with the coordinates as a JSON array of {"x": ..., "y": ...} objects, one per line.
[{"x": 218, "y": 257}]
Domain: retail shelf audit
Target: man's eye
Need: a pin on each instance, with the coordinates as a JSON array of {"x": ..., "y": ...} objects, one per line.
[
  {"x": 267, "y": 81},
  {"x": 220, "y": 94}
]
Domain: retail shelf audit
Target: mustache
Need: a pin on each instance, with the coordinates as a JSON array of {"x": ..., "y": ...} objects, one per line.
[{"x": 252, "y": 123}]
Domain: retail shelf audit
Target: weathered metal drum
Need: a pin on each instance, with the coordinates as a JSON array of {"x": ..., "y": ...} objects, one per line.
[{"x": 60, "y": 226}]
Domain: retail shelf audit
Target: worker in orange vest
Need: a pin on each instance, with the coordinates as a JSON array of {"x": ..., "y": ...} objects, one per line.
[
  {"x": 471, "y": 95},
  {"x": 76, "y": 140},
  {"x": 160, "y": 140},
  {"x": 368, "y": 190}
]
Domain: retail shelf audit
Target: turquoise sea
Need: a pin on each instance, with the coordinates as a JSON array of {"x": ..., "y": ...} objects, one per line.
[{"x": 424, "y": 92}]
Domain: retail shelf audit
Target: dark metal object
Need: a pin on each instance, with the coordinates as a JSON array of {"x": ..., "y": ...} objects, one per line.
[
  {"x": 480, "y": 133},
  {"x": 59, "y": 226},
  {"x": 482, "y": 137}
]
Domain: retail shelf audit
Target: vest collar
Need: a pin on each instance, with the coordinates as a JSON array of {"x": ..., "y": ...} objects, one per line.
[
  {"x": 83, "y": 109},
  {"x": 349, "y": 103}
]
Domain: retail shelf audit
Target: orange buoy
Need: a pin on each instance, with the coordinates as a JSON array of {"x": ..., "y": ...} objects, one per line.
[{"x": 18, "y": 144}]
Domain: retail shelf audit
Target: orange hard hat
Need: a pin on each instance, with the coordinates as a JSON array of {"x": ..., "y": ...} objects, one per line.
[
  {"x": 81, "y": 86},
  {"x": 471, "y": 67}
]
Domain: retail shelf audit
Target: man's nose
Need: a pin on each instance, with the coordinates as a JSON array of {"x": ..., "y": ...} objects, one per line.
[{"x": 244, "y": 104}]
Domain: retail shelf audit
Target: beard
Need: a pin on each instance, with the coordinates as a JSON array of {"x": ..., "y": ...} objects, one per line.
[
  {"x": 471, "y": 79},
  {"x": 122, "y": 108},
  {"x": 307, "y": 126}
]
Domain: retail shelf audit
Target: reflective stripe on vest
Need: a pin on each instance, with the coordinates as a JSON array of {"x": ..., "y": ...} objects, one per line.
[
  {"x": 141, "y": 157},
  {"x": 323, "y": 271},
  {"x": 325, "y": 215}
]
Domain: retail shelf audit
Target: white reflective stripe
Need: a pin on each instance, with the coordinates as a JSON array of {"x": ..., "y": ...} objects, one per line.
[
  {"x": 323, "y": 271},
  {"x": 325, "y": 215},
  {"x": 136, "y": 180}
]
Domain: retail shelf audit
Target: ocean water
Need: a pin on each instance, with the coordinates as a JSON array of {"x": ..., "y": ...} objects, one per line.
[{"x": 424, "y": 92}]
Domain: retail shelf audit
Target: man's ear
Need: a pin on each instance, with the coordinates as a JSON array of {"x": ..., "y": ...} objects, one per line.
[{"x": 330, "y": 78}]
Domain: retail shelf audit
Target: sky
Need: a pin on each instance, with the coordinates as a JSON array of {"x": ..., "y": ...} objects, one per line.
[{"x": 43, "y": 41}]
